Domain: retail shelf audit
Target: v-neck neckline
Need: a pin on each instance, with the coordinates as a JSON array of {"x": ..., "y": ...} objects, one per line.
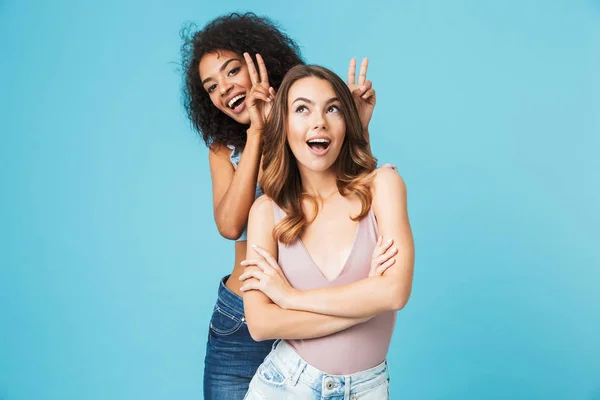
[{"x": 312, "y": 260}]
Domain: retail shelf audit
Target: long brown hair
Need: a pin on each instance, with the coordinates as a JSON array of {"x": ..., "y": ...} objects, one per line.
[{"x": 281, "y": 177}]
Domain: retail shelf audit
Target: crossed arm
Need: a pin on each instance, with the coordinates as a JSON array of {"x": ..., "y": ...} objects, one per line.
[
  {"x": 319, "y": 312},
  {"x": 267, "y": 320}
]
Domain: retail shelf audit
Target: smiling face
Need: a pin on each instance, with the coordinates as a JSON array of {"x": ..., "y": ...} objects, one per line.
[
  {"x": 225, "y": 78},
  {"x": 316, "y": 127}
]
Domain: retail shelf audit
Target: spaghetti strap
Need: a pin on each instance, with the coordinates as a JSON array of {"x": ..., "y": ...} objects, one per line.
[{"x": 392, "y": 166}]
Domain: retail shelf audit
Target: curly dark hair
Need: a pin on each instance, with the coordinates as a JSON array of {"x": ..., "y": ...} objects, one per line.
[{"x": 238, "y": 33}]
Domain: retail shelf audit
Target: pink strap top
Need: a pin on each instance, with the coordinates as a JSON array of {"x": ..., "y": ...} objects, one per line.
[{"x": 355, "y": 349}]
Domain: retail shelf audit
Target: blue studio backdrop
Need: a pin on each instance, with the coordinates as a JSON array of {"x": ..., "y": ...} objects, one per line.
[{"x": 110, "y": 258}]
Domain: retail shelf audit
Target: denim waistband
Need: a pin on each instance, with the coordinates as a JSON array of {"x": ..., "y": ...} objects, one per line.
[
  {"x": 229, "y": 300},
  {"x": 285, "y": 357}
]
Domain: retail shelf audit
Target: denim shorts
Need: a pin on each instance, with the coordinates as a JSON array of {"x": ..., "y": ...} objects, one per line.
[
  {"x": 232, "y": 356},
  {"x": 285, "y": 375}
]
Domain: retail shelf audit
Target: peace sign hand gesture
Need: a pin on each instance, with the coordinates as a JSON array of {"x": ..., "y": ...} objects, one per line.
[
  {"x": 258, "y": 100},
  {"x": 363, "y": 92}
]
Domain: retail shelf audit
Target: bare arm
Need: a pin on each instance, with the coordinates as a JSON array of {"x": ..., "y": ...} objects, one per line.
[
  {"x": 234, "y": 189},
  {"x": 374, "y": 295},
  {"x": 267, "y": 320}
]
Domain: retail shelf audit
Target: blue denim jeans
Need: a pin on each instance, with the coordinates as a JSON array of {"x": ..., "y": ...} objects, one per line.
[
  {"x": 285, "y": 375},
  {"x": 232, "y": 356}
]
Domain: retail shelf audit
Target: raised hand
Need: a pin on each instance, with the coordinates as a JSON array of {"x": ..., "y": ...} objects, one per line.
[
  {"x": 259, "y": 99},
  {"x": 362, "y": 91}
]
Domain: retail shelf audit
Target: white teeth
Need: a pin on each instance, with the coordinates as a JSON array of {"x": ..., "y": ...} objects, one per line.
[
  {"x": 318, "y": 141},
  {"x": 236, "y": 98}
]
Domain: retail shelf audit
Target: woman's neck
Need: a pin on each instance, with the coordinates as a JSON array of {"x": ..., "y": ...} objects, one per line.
[{"x": 319, "y": 184}]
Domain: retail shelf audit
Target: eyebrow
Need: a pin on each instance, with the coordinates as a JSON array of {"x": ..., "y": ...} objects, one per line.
[
  {"x": 331, "y": 100},
  {"x": 225, "y": 64}
]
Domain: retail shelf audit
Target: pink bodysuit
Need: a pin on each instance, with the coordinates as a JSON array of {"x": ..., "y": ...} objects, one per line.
[{"x": 355, "y": 349}]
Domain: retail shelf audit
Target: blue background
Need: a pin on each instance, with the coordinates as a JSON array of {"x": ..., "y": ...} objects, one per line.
[{"x": 110, "y": 257}]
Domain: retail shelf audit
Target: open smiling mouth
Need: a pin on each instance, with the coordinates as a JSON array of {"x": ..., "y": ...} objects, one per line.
[
  {"x": 318, "y": 146},
  {"x": 236, "y": 101}
]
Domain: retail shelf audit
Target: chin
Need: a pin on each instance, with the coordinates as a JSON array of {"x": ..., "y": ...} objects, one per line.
[
  {"x": 319, "y": 166},
  {"x": 243, "y": 119}
]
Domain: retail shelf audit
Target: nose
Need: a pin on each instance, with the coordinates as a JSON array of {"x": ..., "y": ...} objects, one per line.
[
  {"x": 319, "y": 122},
  {"x": 224, "y": 86}
]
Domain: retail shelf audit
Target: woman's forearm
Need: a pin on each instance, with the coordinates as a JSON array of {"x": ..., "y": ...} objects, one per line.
[
  {"x": 231, "y": 214},
  {"x": 367, "y": 297},
  {"x": 273, "y": 322}
]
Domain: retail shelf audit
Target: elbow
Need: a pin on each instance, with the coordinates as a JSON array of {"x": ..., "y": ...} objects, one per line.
[
  {"x": 398, "y": 303},
  {"x": 231, "y": 235},
  {"x": 257, "y": 336},
  {"x": 230, "y": 231},
  {"x": 257, "y": 330},
  {"x": 399, "y": 299}
]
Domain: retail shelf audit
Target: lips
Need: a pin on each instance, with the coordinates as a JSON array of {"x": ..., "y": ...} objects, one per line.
[
  {"x": 319, "y": 145},
  {"x": 237, "y": 103}
]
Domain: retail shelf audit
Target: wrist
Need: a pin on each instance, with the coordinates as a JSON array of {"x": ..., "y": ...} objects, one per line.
[
  {"x": 254, "y": 137},
  {"x": 254, "y": 131},
  {"x": 293, "y": 300}
]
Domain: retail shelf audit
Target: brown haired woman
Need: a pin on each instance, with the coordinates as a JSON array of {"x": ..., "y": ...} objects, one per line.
[{"x": 316, "y": 276}]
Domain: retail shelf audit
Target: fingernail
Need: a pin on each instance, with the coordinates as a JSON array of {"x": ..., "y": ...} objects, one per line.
[
  {"x": 363, "y": 87},
  {"x": 254, "y": 246}
]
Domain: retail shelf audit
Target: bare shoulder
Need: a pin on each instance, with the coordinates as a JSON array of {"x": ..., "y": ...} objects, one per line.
[
  {"x": 386, "y": 181},
  {"x": 389, "y": 200},
  {"x": 261, "y": 223},
  {"x": 262, "y": 209},
  {"x": 219, "y": 151}
]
